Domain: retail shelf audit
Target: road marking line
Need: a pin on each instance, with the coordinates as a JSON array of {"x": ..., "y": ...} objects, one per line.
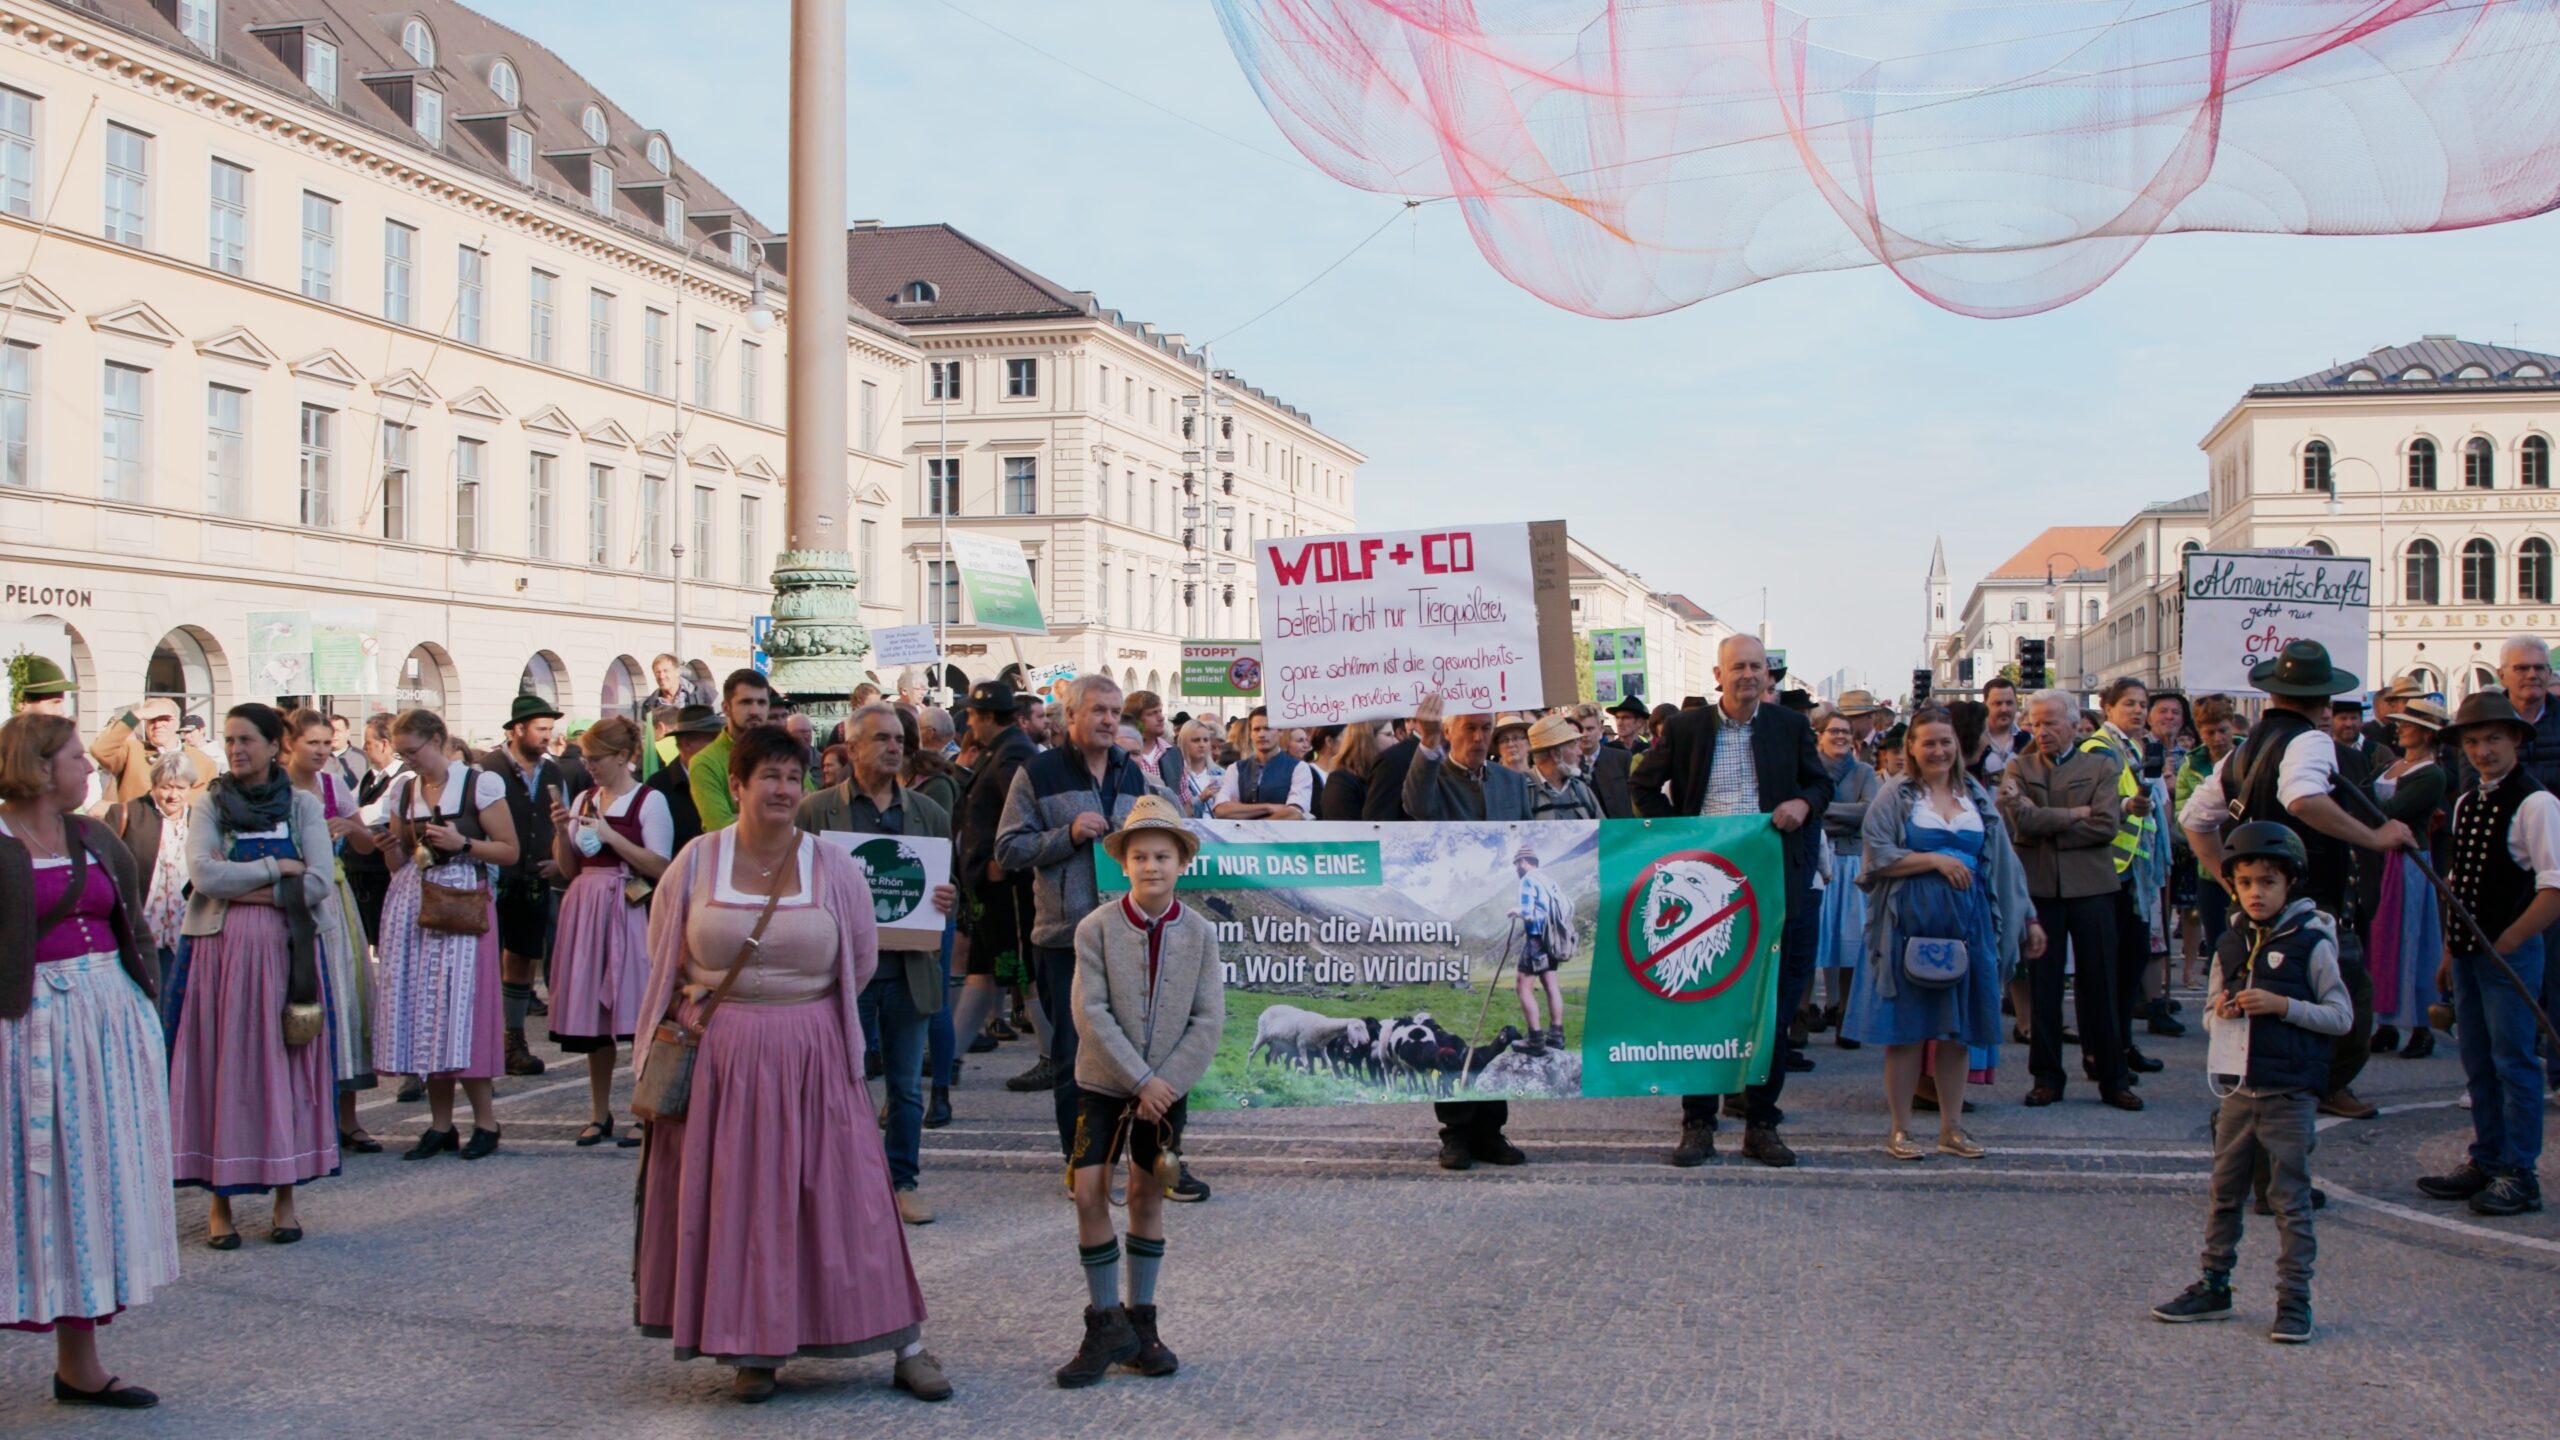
[
  {"x": 1412, "y": 1141},
  {"x": 1920, "y": 1169},
  {"x": 2440, "y": 1222},
  {"x": 2325, "y": 1122}
]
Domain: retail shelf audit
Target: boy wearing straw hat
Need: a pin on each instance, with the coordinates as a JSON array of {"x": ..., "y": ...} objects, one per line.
[{"x": 1149, "y": 1005}]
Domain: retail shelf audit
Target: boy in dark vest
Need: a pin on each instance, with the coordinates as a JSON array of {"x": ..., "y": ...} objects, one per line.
[
  {"x": 2275, "y": 972},
  {"x": 2506, "y": 869}
]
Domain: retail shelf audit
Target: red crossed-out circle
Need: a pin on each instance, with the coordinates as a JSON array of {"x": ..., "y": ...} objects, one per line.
[{"x": 1640, "y": 964}]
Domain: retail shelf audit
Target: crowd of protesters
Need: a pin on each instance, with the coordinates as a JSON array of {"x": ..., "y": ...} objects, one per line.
[{"x": 234, "y": 950}]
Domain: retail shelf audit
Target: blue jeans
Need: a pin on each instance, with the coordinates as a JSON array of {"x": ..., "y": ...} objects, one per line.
[
  {"x": 887, "y": 1005},
  {"x": 2495, "y": 1031}
]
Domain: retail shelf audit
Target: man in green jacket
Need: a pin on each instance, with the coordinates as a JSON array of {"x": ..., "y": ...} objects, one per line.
[{"x": 746, "y": 701}]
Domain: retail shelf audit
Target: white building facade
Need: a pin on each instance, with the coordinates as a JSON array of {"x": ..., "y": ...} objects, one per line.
[
  {"x": 387, "y": 321},
  {"x": 2434, "y": 458},
  {"x": 2053, "y": 589},
  {"x": 2138, "y": 632},
  {"x": 1680, "y": 635}
]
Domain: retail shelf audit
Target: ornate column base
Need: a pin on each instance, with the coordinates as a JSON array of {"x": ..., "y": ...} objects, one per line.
[{"x": 818, "y": 644}]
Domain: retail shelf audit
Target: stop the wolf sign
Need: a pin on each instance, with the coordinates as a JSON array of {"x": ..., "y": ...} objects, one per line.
[{"x": 1679, "y": 922}]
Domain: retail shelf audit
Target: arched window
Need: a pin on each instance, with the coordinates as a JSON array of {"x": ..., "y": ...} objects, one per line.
[
  {"x": 659, "y": 158},
  {"x": 502, "y": 83},
  {"x": 2091, "y": 618},
  {"x": 919, "y": 292},
  {"x": 181, "y": 671},
  {"x": 2321, "y": 547},
  {"x": 419, "y": 41},
  {"x": 2422, "y": 574},
  {"x": 2484, "y": 681},
  {"x": 2362, "y": 375},
  {"x": 2533, "y": 571},
  {"x": 2479, "y": 463},
  {"x": 2479, "y": 572},
  {"x": 591, "y": 120},
  {"x": 623, "y": 688},
  {"x": 2427, "y": 681},
  {"x": 2315, "y": 465},
  {"x": 422, "y": 680},
  {"x": 2529, "y": 371},
  {"x": 2422, "y": 464},
  {"x": 544, "y": 676},
  {"x": 2417, "y": 372},
  {"x": 2533, "y": 463}
]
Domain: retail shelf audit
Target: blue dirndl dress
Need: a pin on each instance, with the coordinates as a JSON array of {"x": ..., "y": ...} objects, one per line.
[
  {"x": 1968, "y": 1010},
  {"x": 1843, "y": 940}
]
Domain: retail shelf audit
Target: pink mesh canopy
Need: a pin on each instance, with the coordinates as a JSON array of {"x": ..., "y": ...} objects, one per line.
[{"x": 1627, "y": 157}]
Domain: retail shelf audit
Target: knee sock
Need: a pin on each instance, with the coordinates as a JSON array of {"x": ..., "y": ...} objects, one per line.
[
  {"x": 1146, "y": 1257},
  {"x": 519, "y": 1000},
  {"x": 1101, "y": 1272}
]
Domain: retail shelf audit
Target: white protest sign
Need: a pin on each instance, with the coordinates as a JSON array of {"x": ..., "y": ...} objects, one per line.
[
  {"x": 1361, "y": 627},
  {"x": 997, "y": 576},
  {"x": 2244, "y": 606},
  {"x": 903, "y": 871},
  {"x": 904, "y": 645}
]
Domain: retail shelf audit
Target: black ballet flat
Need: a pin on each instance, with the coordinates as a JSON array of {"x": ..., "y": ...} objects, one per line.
[
  {"x": 110, "y": 1396},
  {"x": 432, "y": 1144},
  {"x": 596, "y": 1133},
  {"x": 286, "y": 1234},
  {"x": 482, "y": 1144},
  {"x": 359, "y": 1143},
  {"x": 223, "y": 1242}
]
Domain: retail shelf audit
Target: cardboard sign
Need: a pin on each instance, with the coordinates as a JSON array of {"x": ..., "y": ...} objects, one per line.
[
  {"x": 1221, "y": 672},
  {"x": 1362, "y": 627},
  {"x": 903, "y": 871},
  {"x": 904, "y": 645},
  {"x": 2244, "y": 606},
  {"x": 997, "y": 577}
]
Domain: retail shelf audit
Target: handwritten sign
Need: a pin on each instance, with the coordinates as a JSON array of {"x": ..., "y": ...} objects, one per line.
[
  {"x": 903, "y": 645},
  {"x": 2243, "y": 607},
  {"x": 1361, "y": 627}
]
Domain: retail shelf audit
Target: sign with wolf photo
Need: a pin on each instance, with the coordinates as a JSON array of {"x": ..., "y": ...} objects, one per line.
[
  {"x": 2242, "y": 607},
  {"x": 1420, "y": 962},
  {"x": 280, "y": 652},
  {"x": 1617, "y": 665},
  {"x": 1221, "y": 671},
  {"x": 903, "y": 871},
  {"x": 997, "y": 578}
]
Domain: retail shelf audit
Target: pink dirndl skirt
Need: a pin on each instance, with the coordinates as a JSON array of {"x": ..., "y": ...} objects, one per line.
[
  {"x": 599, "y": 962},
  {"x": 766, "y": 1229},
  {"x": 246, "y": 1111},
  {"x": 437, "y": 1009}
]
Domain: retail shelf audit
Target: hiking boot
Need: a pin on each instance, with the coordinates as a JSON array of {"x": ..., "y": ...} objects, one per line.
[
  {"x": 1534, "y": 1046},
  {"x": 1153, "y": 1358},
  {"x": 2207, "y": 1299},
  {"x": 1190, "y": 1189},
  {"x": 1493, "y": 1149},
  {"x": 1697, "y": 1146},
  {"x": 2422, "y": 1043},
  {"x": 2509, "y": 1194},
  {"x": 520, "y": 1057},
  {"x": 937, "y": 1111},
  {"x": 1761, "y": 1143},
  {"x": 2157, "y": 1019},
  {"x": 2293, "y": 1321},
  {"x": 1108, "y": 1341},
  {"x": 1043, "y": 1076},
  {"x": 2344, "y": 1104},
  {"x": 1454, "y": 1154},
  {"x": 2460, "y": 1183},
  {"x": 1555, "y": 1037}
]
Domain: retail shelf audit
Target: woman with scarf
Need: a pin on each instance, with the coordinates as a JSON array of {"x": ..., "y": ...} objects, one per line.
[
  {"x": 1844, "y": 905},
  {"x": 87, "y": 1226},
  {"x": 154, "y": 828},
  {"x": 1195, "y": 785},
  {"x": 2408, "y": 923},
  {"x": 617, "y": 841},
  {"x": 437, "y": 1009},
  {"x": 346, "y": 973},
  {"x": 1947, "y": 918},
  {"x": 253, "y": 1110}
]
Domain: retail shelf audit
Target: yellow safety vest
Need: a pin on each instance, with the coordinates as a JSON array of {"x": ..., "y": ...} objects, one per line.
[{"x": 2130, "y": 828}]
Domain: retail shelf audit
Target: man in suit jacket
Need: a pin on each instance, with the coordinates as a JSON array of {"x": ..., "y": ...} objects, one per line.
[
  {"x": 1739, "y": 756},
  {"x": 1605, "y": 766},
  {"x": 1458, "y": 781},
  {"x": 1003, "y": 920},
  {"x": 1386, "y": 780},
  {"x": 696, "y": 726}
]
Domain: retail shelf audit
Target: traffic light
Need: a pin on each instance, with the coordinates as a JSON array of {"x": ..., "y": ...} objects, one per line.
[
  {"x": 2031, "y": 665},
  {"x": 1919, "y": 688}
]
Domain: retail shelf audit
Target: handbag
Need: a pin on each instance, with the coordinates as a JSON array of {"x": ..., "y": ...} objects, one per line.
[
  {"x": 663, "y": 1090},
  {"x": 636, "y": 889},
  {"x": 449, "y": 909},
  {"x": 1934, "y": 964},
  {"x": 303, "y": 1023}
]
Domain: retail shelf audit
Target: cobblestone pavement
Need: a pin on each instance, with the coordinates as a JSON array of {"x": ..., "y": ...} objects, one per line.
[{"x": 1339, "y": 1285}]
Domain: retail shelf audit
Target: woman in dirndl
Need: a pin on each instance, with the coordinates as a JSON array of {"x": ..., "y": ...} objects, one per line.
[
  {"x": 1843, "y": 935},
  {"x": 2408, "y": 921},
  {"x": 252, "y": 1111},
  {"x": 437, "y": 1009},
  {"x": 87, "y": 1222},
  {"x": 1938, "y": 867},
  {"x": 617, "y": 841},
  {"x": 766, "y": 1229},
  {"x": 346, "y": 970}
]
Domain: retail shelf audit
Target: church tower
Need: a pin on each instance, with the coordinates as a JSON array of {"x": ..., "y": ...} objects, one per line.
[{"x": 1940, "y": 623}]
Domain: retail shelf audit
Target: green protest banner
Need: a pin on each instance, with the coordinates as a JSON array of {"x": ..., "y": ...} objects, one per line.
[
  {"x": 1547, "y": 959},
  {"x": 1221, "y": 672}
]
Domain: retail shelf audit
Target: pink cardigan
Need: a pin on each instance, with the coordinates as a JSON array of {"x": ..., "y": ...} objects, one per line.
[{"x": 842, "y": 892}]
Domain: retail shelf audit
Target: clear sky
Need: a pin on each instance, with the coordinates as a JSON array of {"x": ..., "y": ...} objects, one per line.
[{"x": 1805, "y": 438}]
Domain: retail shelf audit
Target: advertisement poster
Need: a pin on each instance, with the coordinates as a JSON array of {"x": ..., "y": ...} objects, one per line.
[
  {"x": 1221, "y": 672},
  {"x": 1618, "y": 666},
  {"x": 1373, "y": 963},
  {"x": 280, "y": 652},
  {"x": 1361, "y": 627},
  {"x": 903, "y": 871},
  {"x": 2243, "y": 607},
  {"x": 997, "y": 577}
]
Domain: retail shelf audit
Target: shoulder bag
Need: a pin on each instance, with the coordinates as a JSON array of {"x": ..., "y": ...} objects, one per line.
[
  {"x": 663, "y": 1090},
  {"x": 449, "y": 909}
]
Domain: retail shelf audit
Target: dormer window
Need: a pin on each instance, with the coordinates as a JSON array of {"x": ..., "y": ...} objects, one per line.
[
  {"x": 738, "y": 248},
  {"x": 196, "y": 21},
  {"x": 2362, "y": 376},
  {"x": 520, "y": 155},
  {"x": 600, "y": 188},
  {"x": 419, "y": 41},
  {"x": 919, "y": 292},
  {"x": 2472, "y": 372},
  {"x": 320, "y": 66},
  {"x": 591, "y": 120},
  {"x": 429, "y": 105},
  {"x": 503, "y": 84},
  {"x": 674, "y": 218},
  {"x": 2530, "y": 371},
  {"x": 659, "y": 159},
  {"x": 2417, "y": 372}
]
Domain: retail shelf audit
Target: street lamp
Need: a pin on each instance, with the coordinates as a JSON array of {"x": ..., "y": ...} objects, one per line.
[
  {"x": 759, "y": 320},
  {"x": 2080, "y": 658}
]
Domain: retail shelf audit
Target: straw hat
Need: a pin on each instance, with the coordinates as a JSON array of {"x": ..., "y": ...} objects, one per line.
[
  {"x": 2424, "y": 713},
  {"x": 1509, "y": 720},
  {"x": 1860, "y": 702},
  {"x": 2404, "y": 688},
  {"x": 1156, "y": 813},
  {"x": 1552, "y": 731}
]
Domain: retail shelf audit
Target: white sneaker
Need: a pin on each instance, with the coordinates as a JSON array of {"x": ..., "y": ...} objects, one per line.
[{"x": 2465, "y": 1101}]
